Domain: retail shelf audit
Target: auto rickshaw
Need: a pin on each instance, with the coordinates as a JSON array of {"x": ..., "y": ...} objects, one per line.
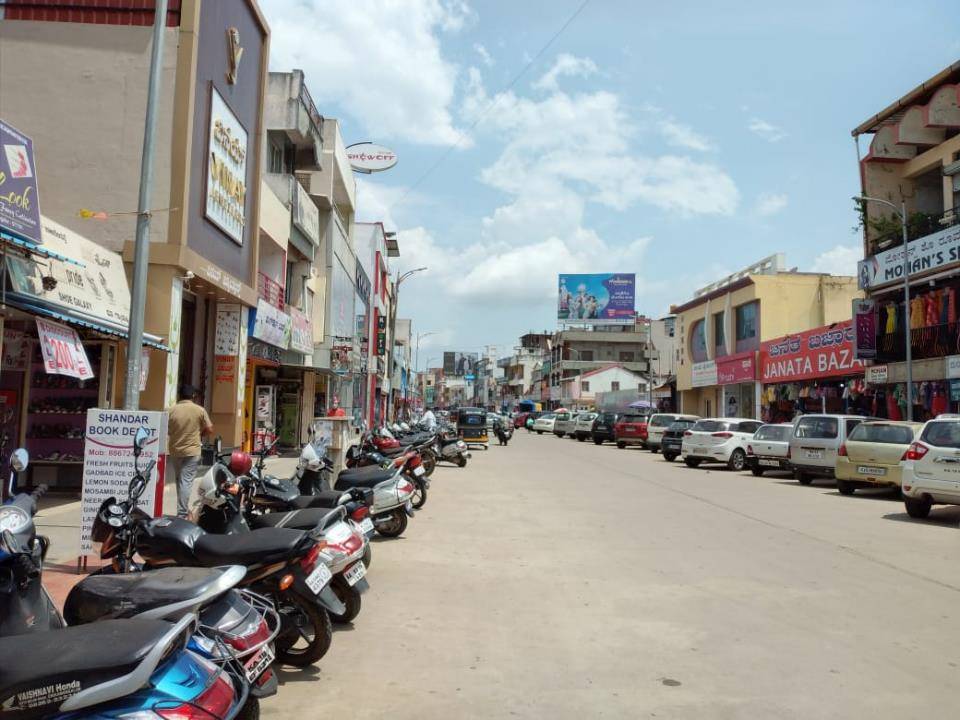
[{"x": 472, "y": 426}]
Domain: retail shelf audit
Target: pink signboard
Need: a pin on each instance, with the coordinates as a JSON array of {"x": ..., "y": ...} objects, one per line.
[{"x": 736, "y": 369}]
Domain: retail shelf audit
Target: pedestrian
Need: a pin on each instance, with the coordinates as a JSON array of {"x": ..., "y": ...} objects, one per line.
[
  {"x": 187, "y": 423},
  {"x": 336, "y": 410},
  {"x": 429, "y": 420}
]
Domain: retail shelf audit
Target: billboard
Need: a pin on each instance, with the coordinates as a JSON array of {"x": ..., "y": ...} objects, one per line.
[
  {"x": 819, "y": 353},
  {"x": 598, "y": 298},
  {"x": 459, "y": 364}
]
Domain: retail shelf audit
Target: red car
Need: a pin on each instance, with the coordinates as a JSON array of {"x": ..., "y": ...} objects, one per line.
[{"x": 631, "y": 428}]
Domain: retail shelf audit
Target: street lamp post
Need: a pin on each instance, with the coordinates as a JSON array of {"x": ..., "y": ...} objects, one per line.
[
  {"x": 908, "y": 344},
  {"x": 420, "y": 336}
]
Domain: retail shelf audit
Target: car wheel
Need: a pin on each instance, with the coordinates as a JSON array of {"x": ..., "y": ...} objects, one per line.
[
  {"x": 845, "y": 488},
  {"x": 559, "y": 435},
  {"x": 539, "y": 432},
  {"x": 737, "y": 461},
  {"x": 802, "y": 477},
  {"x": 918, "y": 508},
  {"x": 580, "y": 438},
  {"x": 654, "y": 450},
  {"x": 692, "y": 462},
  {"x": 621, "y": 445},
  {"x": 598, "y": 441},
  {"x": 757, "y": 471},
  {"x": 669, "y": 457}
]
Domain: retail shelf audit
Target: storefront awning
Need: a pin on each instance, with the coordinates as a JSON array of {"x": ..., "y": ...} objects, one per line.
[{"x": 34, "y": 249}]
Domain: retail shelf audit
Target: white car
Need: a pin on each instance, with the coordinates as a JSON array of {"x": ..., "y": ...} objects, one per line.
[
  {"x": 584, "y": 425},
  {"x": 930, "y": 470},
  {"x": 544, "y": 423},
  {"x": 658, "y": 424},
  {"x": 719, "y": 440}
]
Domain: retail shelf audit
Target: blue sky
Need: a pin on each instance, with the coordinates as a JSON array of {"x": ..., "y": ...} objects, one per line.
[{"x": 679, "y": 141}]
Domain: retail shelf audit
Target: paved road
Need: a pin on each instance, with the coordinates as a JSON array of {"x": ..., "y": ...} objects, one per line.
[{"x": 556, "y": 579}]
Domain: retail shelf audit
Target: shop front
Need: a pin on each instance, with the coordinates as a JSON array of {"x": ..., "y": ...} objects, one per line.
[
  {"x": 814, "y": 372},
  {"x": 272, "y": 392},
  {"x": 725, "y": 387}
]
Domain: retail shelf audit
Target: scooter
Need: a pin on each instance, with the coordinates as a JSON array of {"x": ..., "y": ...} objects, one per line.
[
  {"x": 364, "y": 455},
  {"x": 452, "y": 449}
]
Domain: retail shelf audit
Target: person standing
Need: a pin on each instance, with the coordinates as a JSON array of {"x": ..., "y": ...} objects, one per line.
[{"x": 187, "y": 423}]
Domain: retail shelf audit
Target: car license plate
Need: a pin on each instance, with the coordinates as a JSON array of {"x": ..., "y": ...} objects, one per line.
[
  {"x": 355, "y": 574},
  {"x": 418, "y": 470},
  {"x": 318, "y": 579},
  {"x": 813, "y": 454},
  {"x": 770, "y": 463},
  {"x": 258, "y": 663},
  {"x": 366, "y": 526},
  {"x": 867, "y": 470}
]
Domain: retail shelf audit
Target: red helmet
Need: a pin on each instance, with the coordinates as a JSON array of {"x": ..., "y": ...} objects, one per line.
[{"x": 240, "y": 462}]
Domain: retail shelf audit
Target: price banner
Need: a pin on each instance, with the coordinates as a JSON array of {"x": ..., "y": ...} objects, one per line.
[{"x": 63, "y": 353}]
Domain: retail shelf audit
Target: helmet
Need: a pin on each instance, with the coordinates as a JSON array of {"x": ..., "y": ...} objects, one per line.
[{"x": 240, "y": 462}]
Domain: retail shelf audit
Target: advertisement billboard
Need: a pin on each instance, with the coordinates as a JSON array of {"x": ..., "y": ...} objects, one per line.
[
  {"x": 598, "y": 298},
  {"x": 459, "y": 364},
  {"x": 19, "y": 199}
]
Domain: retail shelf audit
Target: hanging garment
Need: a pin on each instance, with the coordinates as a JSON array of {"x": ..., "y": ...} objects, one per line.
[
  {"x": 917, "y": 313},
  {"x": 939, "y": 404},
  {"x": 944, "y": 307},
  {"x": 893, "y": 409},
  {"x": 890, "y": 326},
  {"x": 931, "y": 305},
  {"x": 952, "y": 305}
]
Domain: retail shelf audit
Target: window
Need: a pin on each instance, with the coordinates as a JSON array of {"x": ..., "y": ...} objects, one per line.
[
  {"x": 747, "y": 321},
  {"x": 749, "y": 427},
  {"x": 626, "y": 357},
  {"x": 585, "y": 355},
  {"x": 718, "y": 337},
  {"x": 819, "y": 428},
  {"x": 698, "y": 341},
  {"x": 276, "y": 158},
  {"x": 711, "y": 426},
  {"x": 778, "y": 433},
  {"x": 585, "y": 386},
  {"x": 942, "y": 434},
  {"x": 882, "y": 433},
  {"x": 614, "y": 386},
  {"x": 308, "y": 302}
]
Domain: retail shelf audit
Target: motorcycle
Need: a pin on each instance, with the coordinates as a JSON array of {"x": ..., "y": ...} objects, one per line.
[
  {"x": 504, "y": 432},
  {"x": 452, "y": 449},
  {"x": 421, "y": 442},
  {"x": 365, "y": 455}
]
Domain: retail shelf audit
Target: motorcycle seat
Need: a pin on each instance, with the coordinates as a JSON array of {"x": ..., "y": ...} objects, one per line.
[
  {"x": 363, "y": 477},
  {"x": 395, "y": 452},
  {"x": 104, "y": 597},
  {"x": 306, "y": 519},
  {"x": 64, "y": 662},
  {"x": 257, "y": 547},
  {"x": 325, "y": 499}
]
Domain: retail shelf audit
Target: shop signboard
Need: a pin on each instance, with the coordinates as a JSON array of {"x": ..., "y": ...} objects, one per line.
[
  {"x": 955, "y": 391},
  {"x": 19, "y": 199},
  {"x": 263, "y": 351},
  {"x": 927, "y": 254},
  {"x": 226, "y": 169},
  {"x": 953, "y": 366},
  {"x": 876, "y": 374},
  {"x": 368, "y": 157},
  {"x": 108, "y": 463},
  {"x": 865, "y": 329},
  {"x": 271, "y": 325},
  {"x": 63, "y": 353},
  {"x": 301, "y": 332},
  {"x": 819, "y": 353},
  {"x": 226, "y": 339},
  {"x": 597, "y": 298},
  {"x": 306, "y": 216},
  {"x": 736, "y": 369},
  {"x": 704, "y": 374}
]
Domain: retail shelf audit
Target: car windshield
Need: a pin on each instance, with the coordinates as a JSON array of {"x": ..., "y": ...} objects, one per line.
[
  {"x": 661, "y": 420},
  {"x": 882, "y": 433},
  {"x": 548, "y": 416},
  {"x": 609, "y": 417},
  {"x": 710, "y": 426},
  {"x": 633, "y": 418},
  {"x": 817, "y": 427},
  {"x": 682, "y": 424},
  {"x": 587, "y": 416},
  {"x": 776, "y": 433},
  {"x": 942, "y": 434}
]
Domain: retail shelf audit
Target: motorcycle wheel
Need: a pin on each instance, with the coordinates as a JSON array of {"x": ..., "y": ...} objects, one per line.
[
  {"x": 348, "y": 596},
  {"x": 305, "y": 630},
  {"x": 429, "y": 463},
  {"x": 395, "y": 526},
  {"x": 419, "y": 498},
  {"x": 250, "y": 710},
  {"x": 461, "y": 461},
  {"x": 368, "y": 556}
]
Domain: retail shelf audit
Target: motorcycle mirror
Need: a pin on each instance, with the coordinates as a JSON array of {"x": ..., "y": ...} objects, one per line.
[
  {"x": 218, "y": 445},
  {"x": 140, "y": 440},
  {"x": 19, "y": 459},
  {"x": 10, "y": 542}
]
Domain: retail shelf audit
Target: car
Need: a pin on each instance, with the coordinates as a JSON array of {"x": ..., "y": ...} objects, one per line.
[
  {"x": 770, "y": 449},
  {"x": 584, "y": 425},
  {"x": 544, "y": 423},
  {"x": 871, "y": 455},
  {"x": 603, "y": 428},
  {"x": 566, "y": 419},
  {"x": 672, "y": 441},
  {"x": 815, "y": 442},
  {"x": 930, "y": 472},
  {"x": 719, "y": 440},
  {"x": 631, "y": 428},
  {"x": 520, "y": 419},
  {"x": 658, "y": 424}
]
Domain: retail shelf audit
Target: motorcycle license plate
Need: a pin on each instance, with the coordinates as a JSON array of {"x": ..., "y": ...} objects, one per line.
[
  {"x": 770, "y": 463},
  {"x": 355, "y": 574},
  {"x": 319, "y": 578},
  {"x": 418, "y": 470},
  {"x": 366, "y": 526},
  {"x": 258, "y": 664}
]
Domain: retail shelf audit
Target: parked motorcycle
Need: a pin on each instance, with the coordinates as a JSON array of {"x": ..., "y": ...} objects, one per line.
[{"x": 365, "y": 454}]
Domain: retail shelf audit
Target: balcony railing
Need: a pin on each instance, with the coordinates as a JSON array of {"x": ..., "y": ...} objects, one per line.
[
  {"x": 270, "y": 290},
  {"x": 926, "y": 342},
  {"x": 918, "y": 225}
]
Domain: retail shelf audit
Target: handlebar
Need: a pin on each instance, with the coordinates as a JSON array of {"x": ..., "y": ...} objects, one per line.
[{"x": 39, "y": 491}]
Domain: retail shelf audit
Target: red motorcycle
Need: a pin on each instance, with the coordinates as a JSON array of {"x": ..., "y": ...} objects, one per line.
[{"x": 370, "y": 452}]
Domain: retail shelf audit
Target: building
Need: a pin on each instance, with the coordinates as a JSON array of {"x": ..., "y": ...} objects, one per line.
[
  {"x": 913, "y": 158},
  {"x": 401, "y": 390},
  {"x": 720, "y": 330},
  {"x": 581, "y": 391}
]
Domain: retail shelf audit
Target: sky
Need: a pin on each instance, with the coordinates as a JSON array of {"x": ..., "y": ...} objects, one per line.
[{"x": 678, "y": 141}]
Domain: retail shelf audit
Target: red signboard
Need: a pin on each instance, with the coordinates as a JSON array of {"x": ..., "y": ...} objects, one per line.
[
  {"x": 736, "y": 369},
  {"x": 819, "y": 353}
]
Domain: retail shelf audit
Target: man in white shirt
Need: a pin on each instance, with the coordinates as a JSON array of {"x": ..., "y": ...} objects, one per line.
[{"x": 429, "y": 420}]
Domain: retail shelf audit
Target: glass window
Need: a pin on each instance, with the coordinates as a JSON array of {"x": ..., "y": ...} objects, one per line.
[
  {"x": 276, "y": 158},
  {"x": 748, "y": 427},
  {"x": 817, "y": 428},
  {"x": 711, "y": 426},
  {"x": 585, "y": 386},
  {"x": 776, "y": 433},
  {"x": 698, "y": 341},
  {"x": 747, "y": 321},
  {"x": 942, "y": 434},
  {"x": 882, "y": 433},
  {"x": 851, "y": 424},
  {"x": 614, "y": 386},
  {"x": 661, "y": 420},
  {"x": 585, "y": 355},
  {"x": 718, "y": 338},
  {"x": 626, "y": 357}
]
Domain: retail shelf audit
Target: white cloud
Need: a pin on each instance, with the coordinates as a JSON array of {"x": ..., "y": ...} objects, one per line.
[
  {"x": 565, "y": 65},
  {"x": 839, "y": 260},
  {"x": 389, "y": 74},
  {"x": 768, "y": 131},
  {"x": 769, "y": 204},
  {"x": 680, "y": 135},
  {"x": 485, "y": 58}
]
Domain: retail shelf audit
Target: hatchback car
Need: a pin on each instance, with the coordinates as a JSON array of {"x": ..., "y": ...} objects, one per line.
[
  {"x": 603, "y": 428},
  {"x": 672, "y": 441},
  {"x": 544, "y": 423},
  {"x": 872, "y": 453},
  {"x": 631, "y": 428},
  {"x": 815, "y": 443},
  {"x": 565, "y": 423},
  {"x": 658, "y": 424},
  {"x": 584, "y": 425},
  {"x": 931, "y": 467},
  {"x": 719, "y": 440},
  {"x": 770, "y": 449}
]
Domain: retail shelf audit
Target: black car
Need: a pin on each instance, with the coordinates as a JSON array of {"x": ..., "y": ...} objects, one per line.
[
  {"x": 602, "y": 429},
  {"x": 673, "y": 439}
]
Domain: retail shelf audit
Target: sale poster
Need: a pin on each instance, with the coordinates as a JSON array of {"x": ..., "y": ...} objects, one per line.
[{"x": 63, "y": 353}]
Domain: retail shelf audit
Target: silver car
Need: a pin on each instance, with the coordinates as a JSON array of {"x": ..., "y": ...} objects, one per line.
[
  {"x": 814, "y": 444},
  {"x": 770, "y": 449},
  {"x": 584, "y": 425}
]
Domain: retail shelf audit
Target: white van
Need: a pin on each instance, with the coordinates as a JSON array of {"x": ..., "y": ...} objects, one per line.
[{"x": 814, "y": 444}]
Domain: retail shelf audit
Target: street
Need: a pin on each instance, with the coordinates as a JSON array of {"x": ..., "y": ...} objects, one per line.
[{"x": 553, "y": 578}]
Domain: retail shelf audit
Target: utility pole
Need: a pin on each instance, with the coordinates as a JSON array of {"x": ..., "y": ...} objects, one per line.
[{"x": 141, "y": 251}]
